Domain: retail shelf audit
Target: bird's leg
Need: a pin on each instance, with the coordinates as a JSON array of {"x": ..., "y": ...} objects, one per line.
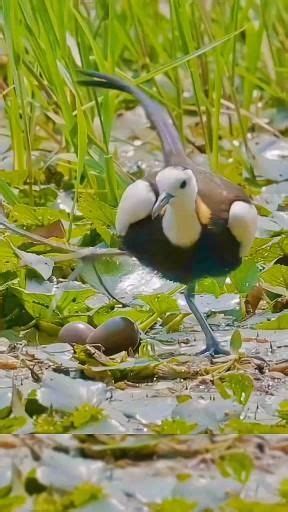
[{"x": 213, "y": 346}]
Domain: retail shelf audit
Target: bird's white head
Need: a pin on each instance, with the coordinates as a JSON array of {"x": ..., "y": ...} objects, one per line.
[
  {"x": 177, "y": 197},
  {"x": 177, "y": 186}
]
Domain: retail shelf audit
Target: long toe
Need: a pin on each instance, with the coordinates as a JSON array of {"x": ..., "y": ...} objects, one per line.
[{"x": 213, "y": 348}]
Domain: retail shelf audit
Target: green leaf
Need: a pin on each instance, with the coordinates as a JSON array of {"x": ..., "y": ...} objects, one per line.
[
  {"x": 37, "y": 304},
  {"x": 60, "y": 422},
  {"x": 8, "y": 259},
  {"x": 267, "y": 250},
  {"x": 211, "y": 286},
  {"x": 68, "y": 300},
  {"x": 13, "y": 178},
  {"x": 44, "y": 266},
  {"x": 283, "y": 489},
  {"x": 186, "y": 58},
  {"x": 12, "y": 503},
  {"x": 235, "y": 385},
  {"x": 48, "y": 502},
  {"x": 135, "y": 370},
  {"x": 174, "y": 505},
  {"x": 245, "y": 277},
  {"x": 86, "y": 413},
  {"x": 36, "y": 216},
  {"x": 283, "y": 411},
  {"x": 49, "y": 424},
  {"x": 161, "y": 304},
  {"x": 95, "y": 210},
  {"x": 236, "y": 504},
  {"x": 237, "y": 465},
  {"x": 280, "y": 322},
  {"x": 80, "y": 496},
  {"x": 275, "y": 279},
  {"x": 100, "y": 214},
  {"x": 236, "y": 341},
  {"x": 238, "y": 426},
  {"x": 83, "y": 494},
  {"x": 104, "y": 313},
  {"x": 176, "y": 426},
  {"x": 8, "y": 193},
  {"x": 11, "y": 425}
]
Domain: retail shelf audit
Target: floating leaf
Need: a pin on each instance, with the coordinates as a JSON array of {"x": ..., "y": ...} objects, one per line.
[
  {"x": 12, "y": 424},
  {"x": 50, "y": 424},
  {"x": 267, "y": 250},
  {"x": 104, "y": 313},
  {"x": 82, "y": 494},
  {"x": 36, "y": 216},
  {"x": 132, "y": 369},
  {"x": 61, "y": 422},
  {"x": 236, "y": 464},
  {"x": 174, "y": 505},
  {"x": 236, "y": 341},
  {"x": 8, "y": 193},
  {"x": 283, "y": 411},
  {"x": 49, "y": 502},
  {"x": 211, "y": 286},
  {"x": 235, "y": 385},
  {"x": 275, "y": 279},
  {"x": 44, "y": 301},
  {"x": 177, "y": 426},
  {"x": 14, "y": 178},
  {"x": 280, "y": 322},
  {"x": 95, "y": 210},
  {"x": 236, "y": 504},
  {"x": 44, "y": 266},
  {"x": 86, "y": 413},
  {"x": 235, "y": 425},
  {"x": 283, "y": 489},
  {"x": 245, "y": 277},
  {"x": 8, "y": 259},
  {"x": 161, "y": 304},
  {"x": 12, "y": 503}
]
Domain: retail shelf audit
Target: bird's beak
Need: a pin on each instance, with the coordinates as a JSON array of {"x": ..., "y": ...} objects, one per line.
[{"x": 161, "y": 202}]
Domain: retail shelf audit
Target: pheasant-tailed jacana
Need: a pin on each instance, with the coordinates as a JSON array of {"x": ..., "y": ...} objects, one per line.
[{"x": 188, "y": 223}]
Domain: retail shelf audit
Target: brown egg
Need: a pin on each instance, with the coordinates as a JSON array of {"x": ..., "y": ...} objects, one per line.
[
  {"x": 75, "y": 332},
  {"x": 115, "y": 335}
]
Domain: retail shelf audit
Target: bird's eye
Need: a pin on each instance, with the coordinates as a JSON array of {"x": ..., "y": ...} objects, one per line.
[{"x": 183, "y": 184}]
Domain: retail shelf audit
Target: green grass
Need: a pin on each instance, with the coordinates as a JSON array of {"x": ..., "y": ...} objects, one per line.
[
  {"x": 196, "y": 57},
  {"x": 47, "y": 41}
]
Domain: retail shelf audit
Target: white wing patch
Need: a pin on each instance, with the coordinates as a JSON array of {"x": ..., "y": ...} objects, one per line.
[
  {"x": 243, "y": 224},
  {"x": 135, "y": 204}
]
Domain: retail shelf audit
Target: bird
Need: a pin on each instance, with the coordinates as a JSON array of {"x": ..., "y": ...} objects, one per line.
[{"x": 184, "y": 222}]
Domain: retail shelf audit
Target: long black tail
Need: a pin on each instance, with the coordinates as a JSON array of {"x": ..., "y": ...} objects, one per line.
[{"x": 158, "y": 116}]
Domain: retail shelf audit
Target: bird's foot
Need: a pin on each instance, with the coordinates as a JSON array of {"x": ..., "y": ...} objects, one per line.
[{"x": 213, "y": 348}]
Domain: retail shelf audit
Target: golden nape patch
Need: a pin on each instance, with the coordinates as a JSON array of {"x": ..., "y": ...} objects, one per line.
[{"x": 202, "y": 210}]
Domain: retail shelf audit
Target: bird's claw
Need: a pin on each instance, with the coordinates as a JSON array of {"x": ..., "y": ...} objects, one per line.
[{"x": 212, "y": 349}]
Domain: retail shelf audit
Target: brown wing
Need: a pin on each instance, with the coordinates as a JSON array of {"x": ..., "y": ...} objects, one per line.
[{"x": 215, "y": 197}]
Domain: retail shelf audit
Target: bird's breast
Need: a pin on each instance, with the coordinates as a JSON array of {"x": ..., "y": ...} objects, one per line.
[
  {"x": 215, "y": 253},
  {"x": 181, "y": 226}
]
